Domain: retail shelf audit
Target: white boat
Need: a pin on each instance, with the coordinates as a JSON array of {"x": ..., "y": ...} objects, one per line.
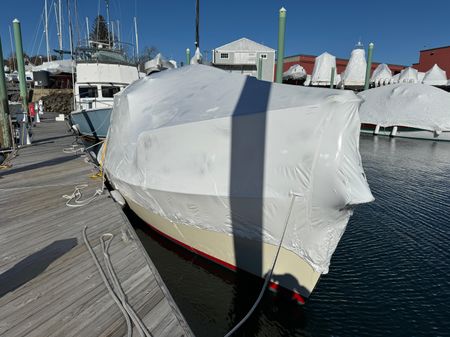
[
  {"x": 382, "y": 75},
  {"x": 355, "y": 72},
  {"x": 158, "y": 63},
  {"x": 435, "y": 76},
  {"x": 409, "y": 75},
  {"x": 323, "y": 65},
  {"x": 223, "y": 164},
  {"x": 101, "y": 73},
  {"x": 406, "y": 110},
  {"x": 295, "y": 73}
]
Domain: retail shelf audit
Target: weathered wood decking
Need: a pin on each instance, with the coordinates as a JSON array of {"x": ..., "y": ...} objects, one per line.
[{"x": 49, "y": 285}]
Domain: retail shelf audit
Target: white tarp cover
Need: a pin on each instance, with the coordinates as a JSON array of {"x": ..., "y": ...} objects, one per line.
[
  {"x": 158, "y": 63},
  {"x": 409, "y": 75},
  {"x": 295, "y": 72},
  {"x": 198, "y": 57},
  {"x": 355, "y": 72},
  {"x": 406, "y": 104},
  {"x": 435, "y": 76},
  {"x": 382, "y": 74},
  {"x": 55, "y": 67},
  {"x": 321, "y": 74},
  {"x": 185, "y": 142}
]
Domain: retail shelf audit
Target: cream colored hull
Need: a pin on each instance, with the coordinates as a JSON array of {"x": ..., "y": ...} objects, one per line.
[{"x": 291, "y": 271}]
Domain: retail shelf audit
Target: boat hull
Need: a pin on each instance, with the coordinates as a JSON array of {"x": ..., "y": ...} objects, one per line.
[
  {"x": 405, "y": 132},
  {"x": 92, "y": 123},
  {"x": 291, "y": 271}
]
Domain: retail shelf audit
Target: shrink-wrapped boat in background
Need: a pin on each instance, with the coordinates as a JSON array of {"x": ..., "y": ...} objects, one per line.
[{"x": 406, "y": 110}]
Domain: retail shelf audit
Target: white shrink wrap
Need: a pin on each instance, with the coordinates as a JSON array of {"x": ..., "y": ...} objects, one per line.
[
  {"x": 295, "y": 72},
  {"x": 406, "y": 104},
  {"x": 435, "y": 76},
  {"x": 222, "y": 152},
  {"x": 355, "y": 72},
  {"x": 409, "y": 75},
  {"x": 321, "y": 74},
  {"x": 382, "y": 74}
]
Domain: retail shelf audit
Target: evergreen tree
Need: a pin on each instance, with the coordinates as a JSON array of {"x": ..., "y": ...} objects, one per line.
[{"x": 99, "y": 32}]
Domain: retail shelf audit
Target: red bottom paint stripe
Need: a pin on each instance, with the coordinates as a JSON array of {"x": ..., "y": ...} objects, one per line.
[{"x": 275, "y": 287}]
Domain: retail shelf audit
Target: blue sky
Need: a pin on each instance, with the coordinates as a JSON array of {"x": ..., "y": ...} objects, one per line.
[{"x": 399, "y": 29}]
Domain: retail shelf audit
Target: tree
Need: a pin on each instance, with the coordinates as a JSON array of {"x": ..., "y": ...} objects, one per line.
[{"x": 99, "y": 32}]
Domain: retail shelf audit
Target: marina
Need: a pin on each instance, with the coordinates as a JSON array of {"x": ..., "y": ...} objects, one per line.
[
  {"x": 49, "y": 283},
  {"x": 211, "y": 169}
]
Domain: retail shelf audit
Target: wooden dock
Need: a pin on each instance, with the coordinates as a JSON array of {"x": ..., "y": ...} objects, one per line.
[{"x": 49, "y": 284}]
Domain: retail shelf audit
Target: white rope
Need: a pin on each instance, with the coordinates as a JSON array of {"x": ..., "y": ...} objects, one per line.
[
  {"x": 74, "y": 148},
  {"x": 107, "y": 284},
  {"x": 105, "y": 241},
  {"x": 77, "y": 195},
  {"x": 116, "y": 290},
  {"x": 269, "y": 275}
]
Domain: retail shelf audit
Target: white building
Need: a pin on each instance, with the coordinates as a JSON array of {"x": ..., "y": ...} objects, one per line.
[{"x": 242, "y": 56}]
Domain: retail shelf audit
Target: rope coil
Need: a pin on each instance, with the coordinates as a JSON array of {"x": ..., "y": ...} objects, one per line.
[{"x": 115, "y": 290}]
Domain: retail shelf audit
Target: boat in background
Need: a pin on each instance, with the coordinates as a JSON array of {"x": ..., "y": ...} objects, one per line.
[
  {"x": 408, "y": 110},
  {"x": 225, "y": 164},
  {"x": 101, "y": 73}
]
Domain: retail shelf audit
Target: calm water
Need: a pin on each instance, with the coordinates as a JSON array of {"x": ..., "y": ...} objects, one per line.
[{"x": 390, "y": 275}]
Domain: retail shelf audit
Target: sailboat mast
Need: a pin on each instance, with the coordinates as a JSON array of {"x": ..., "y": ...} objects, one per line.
[
  {"x": 137, "y": 37},
  {"x": 197, "y": 24},
  {"x": 46, "y": 32},
  {"x": 60, "y": 25},
  {"x": 12, "y": 49},
  {"x": 119, "y": 39},
  {"x": 107, "y": 22},
  {"x": 87, "y": 31}
]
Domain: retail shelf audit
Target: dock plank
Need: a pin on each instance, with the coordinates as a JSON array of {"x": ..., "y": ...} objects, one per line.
[{"x": 49, "y": 284}]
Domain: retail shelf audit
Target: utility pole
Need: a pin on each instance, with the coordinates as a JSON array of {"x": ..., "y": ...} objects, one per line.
[{"x": 46, "y": 32}]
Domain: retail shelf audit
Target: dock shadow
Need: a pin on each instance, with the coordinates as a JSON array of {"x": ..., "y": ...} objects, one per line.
[
  {"x": 45, "y": 163},
  {"x": 33, "y": 265}
]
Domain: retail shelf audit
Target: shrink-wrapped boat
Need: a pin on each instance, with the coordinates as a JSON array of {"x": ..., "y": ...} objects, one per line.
[
  {"x": 224, "y": 164},
  {"x": 406, "y": 110}
]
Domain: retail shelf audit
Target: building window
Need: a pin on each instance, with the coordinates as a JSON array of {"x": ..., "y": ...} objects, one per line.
[
  {"x": 109, "y": 91},
  {"x": 88, "y": 92},
  {"x": 263, "y": 56},
  {"x": 223, "y": 55}
]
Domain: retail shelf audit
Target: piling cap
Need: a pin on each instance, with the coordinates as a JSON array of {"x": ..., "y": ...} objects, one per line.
[
  {"x": 187, "y": 49},
  {"x": 16, "y": 21},
  {"x": 282, "y": 9},
  {"x": 371, "y": 44}
]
